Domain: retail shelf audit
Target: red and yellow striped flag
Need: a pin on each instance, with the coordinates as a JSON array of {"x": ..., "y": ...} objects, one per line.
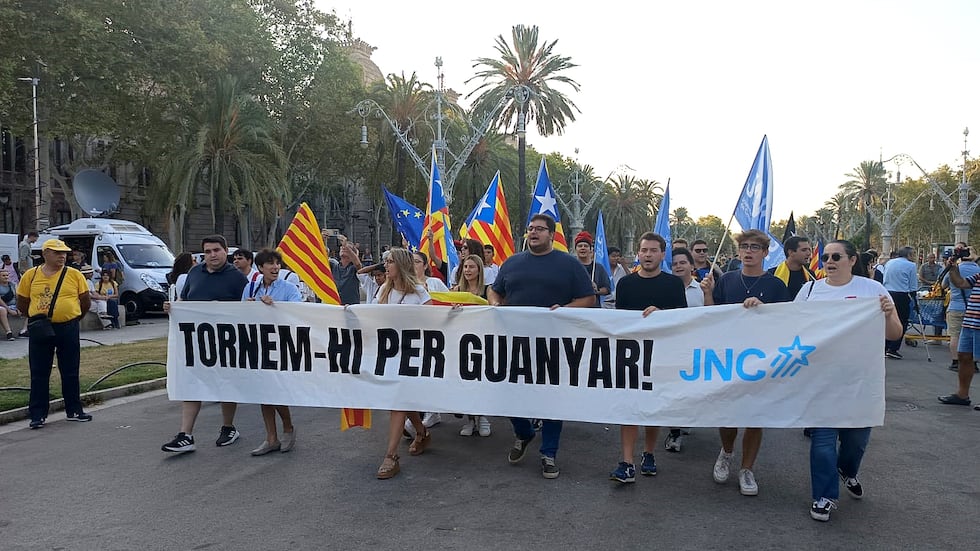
[{"x": 303, "y": 249}]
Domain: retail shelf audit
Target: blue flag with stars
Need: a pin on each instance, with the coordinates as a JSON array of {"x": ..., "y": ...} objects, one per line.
[
  {"x": 602, "y": 254},
  {"x": 406, "y": 217}
]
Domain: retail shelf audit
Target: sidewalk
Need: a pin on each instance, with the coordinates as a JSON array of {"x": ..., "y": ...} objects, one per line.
[{"x": 149, "y": 328}]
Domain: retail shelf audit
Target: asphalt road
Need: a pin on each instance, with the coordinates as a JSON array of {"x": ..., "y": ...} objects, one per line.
[{"x": 106, "y": 485}]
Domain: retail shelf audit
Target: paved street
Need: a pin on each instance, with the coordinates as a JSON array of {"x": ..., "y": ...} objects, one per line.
[{"x": 106, "y": 485}]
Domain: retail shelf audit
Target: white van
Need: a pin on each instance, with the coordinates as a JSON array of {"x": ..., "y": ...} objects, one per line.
[{"x": 144, "y": 258}]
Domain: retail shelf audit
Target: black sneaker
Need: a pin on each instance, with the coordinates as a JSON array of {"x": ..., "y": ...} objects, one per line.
[
  {"x": 852, "y": 485},
  {"x": 893, "y": 355},
  {"x": 37, "y": 424},
  {"x": 10, "y": 336},
  {"x": 79, "y": 417},
  {"x": 227, "y": 437},
  {"x": 820, "y": 510},
  {"x": 954, "y": 365},
  {"x": 519, "y": 450},
  {"x": 181, "y": 443},
  {"x": 548, "y": 467}
]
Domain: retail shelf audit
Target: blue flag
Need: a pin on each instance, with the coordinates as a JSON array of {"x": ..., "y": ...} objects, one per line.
[
  {"x": 776, "y": 254},
  {"x": 544, "y": 202},
  {"x": 406, "y": 217},
  {"x": 662, "y": 228},
  {"x": 602, "y": 254},
  {"x": 754, "y": 207}
]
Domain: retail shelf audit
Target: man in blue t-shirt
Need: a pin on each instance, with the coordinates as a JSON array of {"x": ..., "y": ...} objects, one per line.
[
  {"x": 214, "y": 279},
  {"x": 750, "y": 287},
  {"x": 543, "y": 277}
]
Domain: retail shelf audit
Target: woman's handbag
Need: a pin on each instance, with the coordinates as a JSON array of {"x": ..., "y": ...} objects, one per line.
[{"x": 39, "y": 325}]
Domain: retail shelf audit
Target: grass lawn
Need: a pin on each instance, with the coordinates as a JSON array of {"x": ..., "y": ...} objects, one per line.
[{"x": 96, "y": 361}]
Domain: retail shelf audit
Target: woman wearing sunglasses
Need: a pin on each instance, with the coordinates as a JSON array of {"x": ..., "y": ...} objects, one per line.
[{"x": 828, "y": 462}]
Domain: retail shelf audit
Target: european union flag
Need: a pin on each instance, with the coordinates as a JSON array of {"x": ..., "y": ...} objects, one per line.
[{"x": 406, "y": 217}]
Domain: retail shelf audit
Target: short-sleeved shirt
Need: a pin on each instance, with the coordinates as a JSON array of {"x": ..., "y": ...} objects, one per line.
[
  {"x": 665, "y": 291},
  {"x": 929, "y": 272},
  {"x": 858, "y": 287},
  {"x": 957, "y": 296},
  {"x": 347, "y": 285},
  {"x": 971, "y": 318},
  {"x": 734, "y": 288},
  {"x": 527, "y": 279},
  {"x": 694, "y": 293},
  {"x": 420, "y": 296},
  {"x": 280, "y": 291},
  {"x": 225, "y": 285},
  {"x": 901, "y": 276},
  {"x": 39, "y": 288},
  {"x": 601, "y": 279}
]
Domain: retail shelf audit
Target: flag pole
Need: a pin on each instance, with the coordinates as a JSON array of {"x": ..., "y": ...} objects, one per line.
[{"x": 721, "y": 242}]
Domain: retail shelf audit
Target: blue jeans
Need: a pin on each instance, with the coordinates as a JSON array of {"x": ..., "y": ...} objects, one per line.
[
  {"x": 825, "y": 458},
  {"x": 550, "y": 434},
  {"x": 41, "y": 353}
]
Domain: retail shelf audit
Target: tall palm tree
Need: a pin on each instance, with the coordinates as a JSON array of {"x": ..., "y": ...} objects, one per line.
[
  {"x": 537, "y": 68},
  {"x": 404, "y": 99},
  {"x": 839, "y": 205},
  {"x": 231, "y": 153},
  {"x": 865, "y": 187},
  {"x": 630, "y": 203},
  {"x": 682, "y": 222}
]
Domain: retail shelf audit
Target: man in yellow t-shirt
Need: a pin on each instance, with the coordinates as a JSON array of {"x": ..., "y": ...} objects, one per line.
[{"x": 35, "y": 294}]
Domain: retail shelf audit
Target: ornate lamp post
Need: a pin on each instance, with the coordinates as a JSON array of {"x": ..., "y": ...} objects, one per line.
[
  {"x": 367, "y": 107},
  {"x": 578, "y": 207}
]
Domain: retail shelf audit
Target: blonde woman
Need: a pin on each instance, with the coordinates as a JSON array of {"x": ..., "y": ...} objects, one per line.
[
  {"x": 401, "y": 286},
  {"x": 473, "y": 281}
]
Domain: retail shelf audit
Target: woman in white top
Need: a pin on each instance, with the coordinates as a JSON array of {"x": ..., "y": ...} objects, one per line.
[
  {"x": 473, "y": 282},
  {"x": 424, "y": 274},
  {"x": 401, "y": 287},
  {"x": 844, "y": 281}
]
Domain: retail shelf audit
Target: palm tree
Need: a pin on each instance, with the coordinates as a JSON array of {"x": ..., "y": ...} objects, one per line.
[
  {"x": 682, "y": 222},
  {"x": 839, "y": 205},
  {"x": 405, "y": 100},
  {"x": 230, "y": 152},
  {"x": 865, "y": 187},
  {"x": 629, "y": 203},
  {"x": 537, "y": 68}
]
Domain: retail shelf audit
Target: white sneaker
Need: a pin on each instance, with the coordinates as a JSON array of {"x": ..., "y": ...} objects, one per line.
[
  {"x": 431, "y": 419},
  {"x": 409, "y": 431},
  {"x": 746, "y": 483},
  {"x": 468, "y": 428},
  {"x": 484, "y": 425},
  {"x": 723, "y": 467}
]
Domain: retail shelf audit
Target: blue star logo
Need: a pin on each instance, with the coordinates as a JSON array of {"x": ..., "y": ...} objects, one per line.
[{"x": 791, "y": 358}]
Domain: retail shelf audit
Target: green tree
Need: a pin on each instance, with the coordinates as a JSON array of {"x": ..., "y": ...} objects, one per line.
[
  {"x": 231, "y": 153},
  {"x": 522, "y": 62},
  {"x": 630, "y": 205},
  {"x": 865, "y": 187}
]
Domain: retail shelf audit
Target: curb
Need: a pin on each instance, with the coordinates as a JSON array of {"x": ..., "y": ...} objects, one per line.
[{"x": 20, "y": 414}]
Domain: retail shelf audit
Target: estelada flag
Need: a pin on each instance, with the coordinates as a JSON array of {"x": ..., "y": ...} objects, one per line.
[
  {"x": 816, "y": 266},
  {"x": 303, "y": 250},
  {"x": 489, "y": 223},
  {"x": 544, "y": 202}
]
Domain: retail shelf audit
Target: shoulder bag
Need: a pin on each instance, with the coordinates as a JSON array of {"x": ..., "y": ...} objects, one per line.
[{"x": 39, "y": 325}]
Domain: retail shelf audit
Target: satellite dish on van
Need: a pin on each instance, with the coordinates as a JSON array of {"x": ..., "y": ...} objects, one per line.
[{"x": 97, "y": 194}]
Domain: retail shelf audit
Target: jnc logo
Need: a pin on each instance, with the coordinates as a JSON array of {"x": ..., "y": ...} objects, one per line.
[{"x": 745, "y": 363}]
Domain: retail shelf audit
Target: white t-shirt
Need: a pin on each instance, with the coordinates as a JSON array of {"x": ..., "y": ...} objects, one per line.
[
  {"x": 369, "y": 286},
  {"x": 435, "y": 284},
  {"x": 175, "y": 289},
  {"x": 858, "y": 287},
  {"x": 420, "y": 296}
]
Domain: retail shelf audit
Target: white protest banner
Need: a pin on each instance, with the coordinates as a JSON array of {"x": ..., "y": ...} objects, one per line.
[{"x": 816, "y": 364}]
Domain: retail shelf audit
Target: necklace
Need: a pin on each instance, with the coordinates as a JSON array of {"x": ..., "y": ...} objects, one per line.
[{"x": 748, "y": 288}]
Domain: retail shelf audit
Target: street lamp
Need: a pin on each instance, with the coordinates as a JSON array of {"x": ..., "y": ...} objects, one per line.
[
  {"x": 368, "y": 107},
  {"x": 577, "y": 208},
  {"x": 963, "y": 208},
  {"x": 40, "y": 223}
]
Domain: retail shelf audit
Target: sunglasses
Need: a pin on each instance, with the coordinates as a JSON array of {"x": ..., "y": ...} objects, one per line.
[
  {"x": 700, "y": 250},
  {"x": 833, "y": 256}
]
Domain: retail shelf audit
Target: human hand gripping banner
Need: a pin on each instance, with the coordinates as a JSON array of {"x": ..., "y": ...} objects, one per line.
[{"x": 815, "y": 364}]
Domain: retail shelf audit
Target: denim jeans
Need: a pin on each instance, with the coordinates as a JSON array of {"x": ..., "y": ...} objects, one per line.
[
  {"x": 41, "y": 353},
  {"x": 550, "y": 434},
  {"x": 825, "y": 458}
]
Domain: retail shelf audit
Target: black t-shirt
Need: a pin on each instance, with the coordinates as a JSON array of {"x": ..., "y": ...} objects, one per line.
[
  {"x": 665, "y": 291},
  {"x": 796, "y": 281},
  {"x": 526, "y": 279},
  {"x": 734, "y": 288}
]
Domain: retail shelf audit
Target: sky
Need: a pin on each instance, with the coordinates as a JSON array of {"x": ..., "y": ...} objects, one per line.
[{"x": 687, "y": 90}]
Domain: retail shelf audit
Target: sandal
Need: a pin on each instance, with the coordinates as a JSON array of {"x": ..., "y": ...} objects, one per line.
[
  {"x": 419, "y": 444},
  {"x": 389, "y": 467}
]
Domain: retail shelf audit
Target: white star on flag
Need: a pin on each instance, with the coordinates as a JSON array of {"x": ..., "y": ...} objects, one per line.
[{"x": 547, "y": 203}]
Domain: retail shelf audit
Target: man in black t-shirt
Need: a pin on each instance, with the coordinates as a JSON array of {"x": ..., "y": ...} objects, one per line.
[
  {"x": 794, "y": 271},
  {"x": 647, "y": 290},
  {"x": 544, "y": 277}
]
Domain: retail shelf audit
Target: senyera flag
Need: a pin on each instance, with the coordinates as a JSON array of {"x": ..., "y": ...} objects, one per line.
[
  {"x": 437, "y": 222},
  {"x": 303, "y": 250},
  {"x": 489, "y": 223},
  {"x": 544, "y": 201}
]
